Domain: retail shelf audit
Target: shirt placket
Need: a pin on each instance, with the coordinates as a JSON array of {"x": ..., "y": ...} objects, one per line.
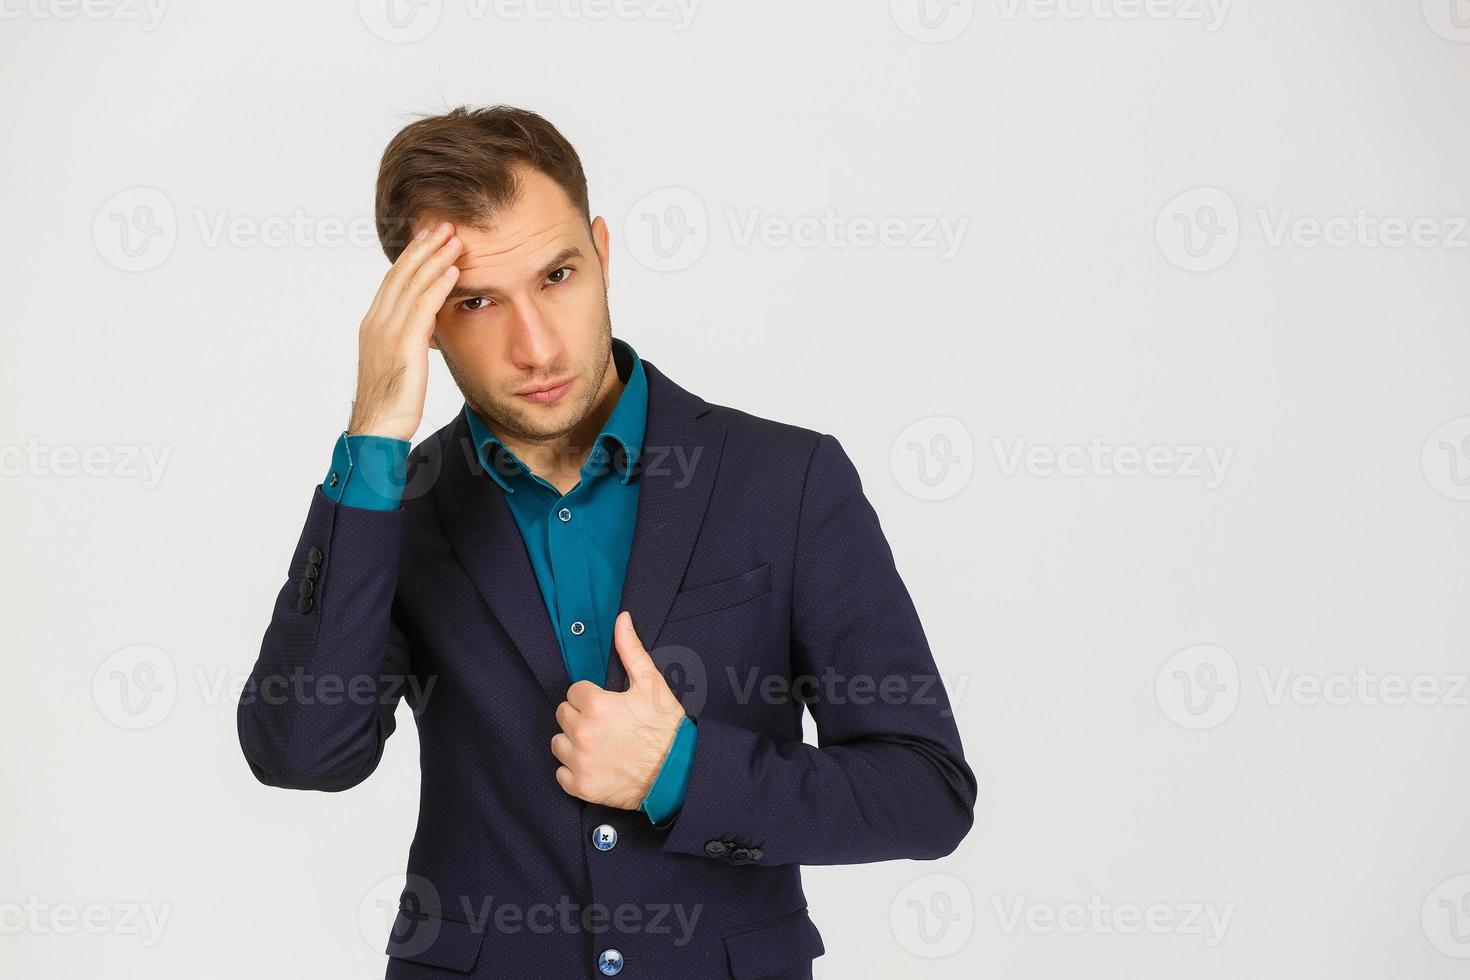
[{"x": 576, "y": 613}]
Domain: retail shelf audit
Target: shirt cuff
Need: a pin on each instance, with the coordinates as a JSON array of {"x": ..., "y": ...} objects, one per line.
[
  {"x": 666, "y": 795},
  {"x": 368, "y": 472}
]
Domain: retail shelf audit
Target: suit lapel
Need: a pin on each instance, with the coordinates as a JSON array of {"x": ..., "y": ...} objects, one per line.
[
  {"x": 681, "y": 454},
  {"x": 676, "y": 469},
  {"x": 484, "y": 534}
]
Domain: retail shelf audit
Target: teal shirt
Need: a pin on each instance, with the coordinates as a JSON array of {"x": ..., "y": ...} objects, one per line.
[{"x": 578, "y": 542}]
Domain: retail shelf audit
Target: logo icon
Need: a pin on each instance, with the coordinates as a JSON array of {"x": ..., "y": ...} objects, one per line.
[
  {"x": 932, "y": 21},
  {"x": 400, "y": 21},
  {"x": 136, "y": 687},
  {"x": 933, "y": 458},
  {"x": 1446, "y": 459},
  {"x": 1199, "y": 230},
  {"x": 1450, "y": 19},
  {"x": 1446, "y": 917},
  {"x": 1198, "y": 687},
  {"x": 933, "y": 916},
  {"x": 135, "y": 230},
  {"x": 667, "y": 230},
  {"x": 396, "y": 906}
]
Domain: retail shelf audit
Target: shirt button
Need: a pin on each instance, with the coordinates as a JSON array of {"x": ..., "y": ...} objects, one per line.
[
  {"x": 578, "y": 628},
  {"x": 564, "y": 514},
  {"x": 610, "y": 962},
  {"x": 604, "y": 837}
]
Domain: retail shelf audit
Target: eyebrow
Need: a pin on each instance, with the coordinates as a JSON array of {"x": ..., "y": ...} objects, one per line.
[{"x": 557, "y": 261}]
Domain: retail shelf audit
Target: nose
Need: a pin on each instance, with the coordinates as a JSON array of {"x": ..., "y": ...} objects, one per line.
[{"x": 534, "y": 345}]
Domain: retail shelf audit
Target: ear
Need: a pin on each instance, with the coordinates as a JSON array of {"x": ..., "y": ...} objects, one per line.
[{"x": 599, "y": 242}]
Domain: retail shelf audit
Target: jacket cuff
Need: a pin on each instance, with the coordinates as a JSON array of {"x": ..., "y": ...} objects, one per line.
[
  {"x": 666, "y": 795},
  {"x": 368, "y": 472}
]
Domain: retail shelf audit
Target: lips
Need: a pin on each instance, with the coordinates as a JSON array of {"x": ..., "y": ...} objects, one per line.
[{"x": 543, "y": 393}]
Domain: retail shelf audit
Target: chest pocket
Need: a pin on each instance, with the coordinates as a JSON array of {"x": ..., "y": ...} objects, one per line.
[{"x": 722, "y": 594}]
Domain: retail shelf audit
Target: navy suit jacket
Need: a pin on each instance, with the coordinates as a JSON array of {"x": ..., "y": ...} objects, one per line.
[{"x": 761, "y": 583}]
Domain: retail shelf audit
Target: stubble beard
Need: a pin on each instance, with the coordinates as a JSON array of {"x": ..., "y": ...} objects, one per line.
[{"x": 508, "y": 419}]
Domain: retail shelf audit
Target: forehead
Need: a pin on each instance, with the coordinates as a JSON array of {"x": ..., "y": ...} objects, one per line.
[{"x": 540, "y": 223}]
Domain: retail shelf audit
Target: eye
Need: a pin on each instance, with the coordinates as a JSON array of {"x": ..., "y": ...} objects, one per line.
[
  {"x": 473, "y": 299},
  {"x": 558, "y": 276}
]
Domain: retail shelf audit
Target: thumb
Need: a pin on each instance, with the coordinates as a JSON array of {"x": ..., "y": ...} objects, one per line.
[{"x": 636, "y": 660}]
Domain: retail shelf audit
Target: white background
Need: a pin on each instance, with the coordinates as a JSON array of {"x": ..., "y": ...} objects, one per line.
[{"x": 1135, "y": 189}]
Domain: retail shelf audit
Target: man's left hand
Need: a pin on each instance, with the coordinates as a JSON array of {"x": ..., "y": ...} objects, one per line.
[{"x": 612, "y": 743}]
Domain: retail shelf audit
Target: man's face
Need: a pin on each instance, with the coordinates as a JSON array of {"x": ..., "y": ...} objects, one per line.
[{"x": 529, "y": 311}]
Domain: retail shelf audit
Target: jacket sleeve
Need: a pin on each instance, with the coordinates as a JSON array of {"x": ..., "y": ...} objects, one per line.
[
  {"x": 888, "y": 778},
  {"x": 318, "y": 705}
]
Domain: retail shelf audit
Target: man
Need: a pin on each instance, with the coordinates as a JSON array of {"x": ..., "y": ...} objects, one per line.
[{"x": 533, "y": 575}]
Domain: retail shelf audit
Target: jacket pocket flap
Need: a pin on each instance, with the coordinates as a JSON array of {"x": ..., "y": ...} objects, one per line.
[
  {"x": 718, "y": 595},
  {"x": 776, "y": 946},
  {"x": 424, "y": 936}
]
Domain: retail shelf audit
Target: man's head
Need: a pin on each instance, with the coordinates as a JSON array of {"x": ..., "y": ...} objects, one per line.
[{"x": 530, "y": 307}]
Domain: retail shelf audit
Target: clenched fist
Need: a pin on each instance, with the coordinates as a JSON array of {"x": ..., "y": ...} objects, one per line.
[{"x": 611, "y": 744}]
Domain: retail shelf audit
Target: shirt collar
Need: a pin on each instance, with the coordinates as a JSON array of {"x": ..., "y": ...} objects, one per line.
[{"x": 623, "y": 430}]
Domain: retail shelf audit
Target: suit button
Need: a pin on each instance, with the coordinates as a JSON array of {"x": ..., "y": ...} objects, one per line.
[
  {"x": 604, "y": 837},
  {"x": 311, "y": 571},
  {"x": 756, "y": 853},
  {"x": 740, "y": 856},
  {"x": 305, "y": 588},
  {"x": 303, "y": 604},
  {"x": 314, "y": 555},
  {"x": 610, "y": 962},
  {"x": 716, "y": 848}
]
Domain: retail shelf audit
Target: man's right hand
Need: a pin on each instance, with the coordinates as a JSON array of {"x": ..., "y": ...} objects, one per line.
[{"x": 393, "y": 342}]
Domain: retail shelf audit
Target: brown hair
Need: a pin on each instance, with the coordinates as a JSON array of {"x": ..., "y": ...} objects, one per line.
[{"x": 462, "y": 166}]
